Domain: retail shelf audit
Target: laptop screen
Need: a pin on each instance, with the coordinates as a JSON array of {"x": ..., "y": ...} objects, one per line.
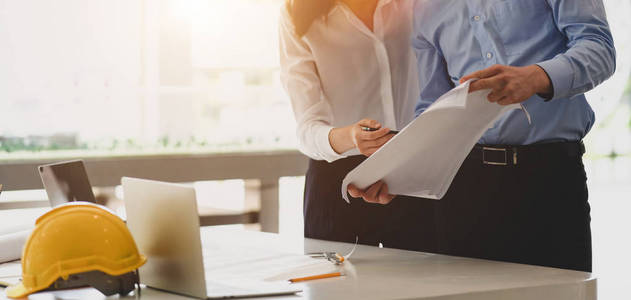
[{"x": 66, "y": 182}]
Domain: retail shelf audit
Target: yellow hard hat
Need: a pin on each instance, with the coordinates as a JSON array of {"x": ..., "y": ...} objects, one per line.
[{"x": 78, "y": 244}]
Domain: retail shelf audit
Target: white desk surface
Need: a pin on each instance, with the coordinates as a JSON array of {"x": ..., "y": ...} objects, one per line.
[{"x": 381, "y": 273}]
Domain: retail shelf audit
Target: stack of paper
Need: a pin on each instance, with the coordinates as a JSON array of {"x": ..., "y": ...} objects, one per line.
[{"x": 425, "y": 156}]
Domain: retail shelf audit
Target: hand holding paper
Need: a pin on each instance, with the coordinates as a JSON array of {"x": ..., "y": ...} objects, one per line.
[
  {"x": 423, "y": 158},
  {"x": 510, "y": 84},
  {"x": 376, "y": 193}
]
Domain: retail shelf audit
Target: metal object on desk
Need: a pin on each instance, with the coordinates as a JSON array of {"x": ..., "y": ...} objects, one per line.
[
  {"x": 330, "y": 256},
  {"x": 335, "y": 257}
]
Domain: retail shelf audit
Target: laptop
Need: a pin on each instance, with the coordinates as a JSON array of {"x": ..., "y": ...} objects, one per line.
[
  {"x": 164, "y": 222},
  {"x": 66, "y": 182}
]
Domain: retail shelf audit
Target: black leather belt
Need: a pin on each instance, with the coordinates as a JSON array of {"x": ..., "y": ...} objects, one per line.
[{"x": 510, "y": 155}]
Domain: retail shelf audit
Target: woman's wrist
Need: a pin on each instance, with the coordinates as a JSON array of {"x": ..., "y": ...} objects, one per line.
[{"x": 340, "y": 139}]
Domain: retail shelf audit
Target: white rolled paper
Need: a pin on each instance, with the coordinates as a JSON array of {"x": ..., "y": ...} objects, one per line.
[{"x": 11, "y": 245}]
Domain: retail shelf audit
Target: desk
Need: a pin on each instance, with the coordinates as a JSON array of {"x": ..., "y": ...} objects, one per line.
[
  {"x": 381, "y": 273},
  {"x": 261, "y": 171}
]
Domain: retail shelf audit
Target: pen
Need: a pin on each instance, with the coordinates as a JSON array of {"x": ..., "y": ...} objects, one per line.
[
  {"x": 321, "y": 276},
  {"x": 364, "y": 128}
]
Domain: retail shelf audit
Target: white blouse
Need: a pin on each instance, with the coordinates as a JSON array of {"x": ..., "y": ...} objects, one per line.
[{"x": 340, "y": 72}]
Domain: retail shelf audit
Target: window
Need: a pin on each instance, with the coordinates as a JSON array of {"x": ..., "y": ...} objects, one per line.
[{"x": 141, "y": 76}]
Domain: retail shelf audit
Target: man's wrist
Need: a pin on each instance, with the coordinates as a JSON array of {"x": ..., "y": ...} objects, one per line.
[{"x": 543, "y": 83}]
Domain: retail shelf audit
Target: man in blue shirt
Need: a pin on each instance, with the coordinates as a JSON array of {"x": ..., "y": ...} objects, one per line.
[{"x": 521, "y": 194}]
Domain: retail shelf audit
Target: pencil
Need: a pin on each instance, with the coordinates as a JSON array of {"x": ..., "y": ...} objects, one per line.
[{"x": 321, "y": 276}]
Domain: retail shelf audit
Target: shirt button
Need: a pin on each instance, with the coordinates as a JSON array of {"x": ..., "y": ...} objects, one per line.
[
  {"x": 476, "y": 18},
  {"x": 489, "y": 55}
]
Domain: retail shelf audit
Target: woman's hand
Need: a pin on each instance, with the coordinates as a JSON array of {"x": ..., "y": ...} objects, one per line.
[
  {"x": 375, "y": 193},
  {"x": 353, "y": 136},
  {"x": 367, "y": 142}
]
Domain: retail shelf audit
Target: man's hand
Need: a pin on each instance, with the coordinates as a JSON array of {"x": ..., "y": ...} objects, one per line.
[
  {"x": 376, "y": 193},
  {"x": 510, "y": 84}
]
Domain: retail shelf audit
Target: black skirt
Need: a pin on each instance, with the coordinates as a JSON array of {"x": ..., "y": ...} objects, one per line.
[{"x": 405, "y": 223}]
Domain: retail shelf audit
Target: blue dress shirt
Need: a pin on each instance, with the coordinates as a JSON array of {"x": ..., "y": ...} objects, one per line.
[{"x": 569, "y": 39}]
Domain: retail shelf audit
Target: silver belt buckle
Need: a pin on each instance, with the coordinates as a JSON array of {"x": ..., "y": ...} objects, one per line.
[{"x": 484, "y": 161}]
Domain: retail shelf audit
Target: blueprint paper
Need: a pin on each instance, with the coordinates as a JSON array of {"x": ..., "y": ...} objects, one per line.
[
  {"x": 423, "y": 159},
  {"x": 11, "y": 245}
]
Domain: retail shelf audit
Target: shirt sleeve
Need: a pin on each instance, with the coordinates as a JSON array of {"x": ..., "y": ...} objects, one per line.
[
  {"x": 591, "y": 57},
  {"x": 433, "y": 76},
  {"x": 300, "y": 79}
]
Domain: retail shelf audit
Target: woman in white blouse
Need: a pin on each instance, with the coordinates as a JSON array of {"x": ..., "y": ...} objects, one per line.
[{"x": 346, "y": 65}]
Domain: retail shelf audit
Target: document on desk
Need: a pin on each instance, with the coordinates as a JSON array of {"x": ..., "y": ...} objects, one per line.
[
  {"x": 424, "y": 157},
  {"x": 270, "y": 266}
]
